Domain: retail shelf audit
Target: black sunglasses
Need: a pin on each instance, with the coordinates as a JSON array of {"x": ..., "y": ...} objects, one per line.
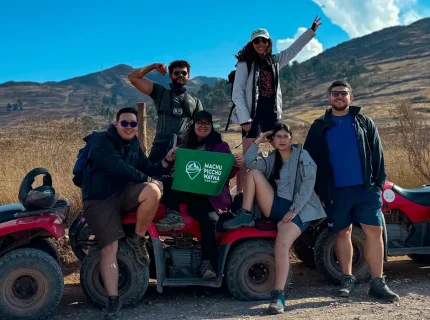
[
  {"x": 337, "y": 93},
  {"x": 257, "y": 40},
  {"x": 125, "y": 123},
  {"x": 183, "y": 73}
]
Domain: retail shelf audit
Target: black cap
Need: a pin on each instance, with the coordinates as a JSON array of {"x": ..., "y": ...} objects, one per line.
[{"x": 203, "y": 115}]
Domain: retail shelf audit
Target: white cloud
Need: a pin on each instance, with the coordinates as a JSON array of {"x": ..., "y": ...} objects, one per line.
[
  {"x": 360, "y": 17},
  {"x": 313, "y": 48},
  {"x": 410, "y": 17}
]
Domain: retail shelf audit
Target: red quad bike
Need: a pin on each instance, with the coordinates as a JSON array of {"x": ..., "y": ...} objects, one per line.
[
  {"x": 246, "y": 261},
  {"x": 406, "y": 232},
  {"x": 31, "y": 280}
]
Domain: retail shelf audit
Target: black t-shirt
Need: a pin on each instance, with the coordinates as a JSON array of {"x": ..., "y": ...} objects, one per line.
[{"x": 266, "y": 96}]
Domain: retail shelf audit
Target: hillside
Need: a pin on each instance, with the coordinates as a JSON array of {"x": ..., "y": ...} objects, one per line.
[{"x": 383, "y": 67}]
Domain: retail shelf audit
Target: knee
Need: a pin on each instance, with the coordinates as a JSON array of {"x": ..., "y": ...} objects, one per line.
[
  {"x": 151, "y": 192},
  {"x": 253, "y": 173},
  {"x": 110, "y": 249},
  {"x": 373, "y": 232},
  {"x": 283, "y": 245},
  {"x": 345, "y": 233}
]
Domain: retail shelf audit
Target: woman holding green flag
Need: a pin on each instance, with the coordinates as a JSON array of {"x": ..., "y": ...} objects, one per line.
[
  {"x": 201, "y": 136},
  {"x": 282, "y": 182}
]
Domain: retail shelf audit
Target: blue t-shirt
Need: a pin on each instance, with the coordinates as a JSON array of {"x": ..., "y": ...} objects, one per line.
[{"x": 344, "y": 152}]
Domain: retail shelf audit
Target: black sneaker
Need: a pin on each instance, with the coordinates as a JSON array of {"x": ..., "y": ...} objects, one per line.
[
  {"x": 243, "y": 218},
  {"x": 348, "y": 284},
  {"x": 379, "y": 289},
  {"x": 172, "y": 221},
  {"x": 113, "y": 308},
  {"x": 277, "y": 303},
  {"x": 207, "y": 271},
  {"x": 138, "y": 244}
]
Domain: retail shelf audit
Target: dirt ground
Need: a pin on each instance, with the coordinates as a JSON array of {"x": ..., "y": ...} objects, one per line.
[{"x": 310, "y": 297}]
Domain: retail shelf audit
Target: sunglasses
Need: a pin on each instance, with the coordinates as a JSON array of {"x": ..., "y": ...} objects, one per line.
[
  {"x": 125, "y": 123},
  {"x": 183, "y": 73},
  {"x": 337, "y": 93},
  {"x": 260, "y": 39}
]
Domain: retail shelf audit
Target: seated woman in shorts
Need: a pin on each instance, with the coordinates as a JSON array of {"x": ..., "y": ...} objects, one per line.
[
  {"x": 201, "y": 136},
  {"x": 282, "y": 182}
]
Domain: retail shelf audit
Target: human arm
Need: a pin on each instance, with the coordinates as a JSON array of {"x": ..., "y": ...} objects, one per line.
[
  {"x": 239, "y": 93},
  {"x": 252, "y": 159},
  {"x": 157, "y": 169},
  {"x": 285, "y": 56},
  {"x": 378, "y": 162},
  {"x": 138, "y": 80}
]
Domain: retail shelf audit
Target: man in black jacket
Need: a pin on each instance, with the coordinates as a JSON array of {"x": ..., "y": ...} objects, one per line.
[
  {"x": 117, "y": 180},
  {"x": 347, "y": 149}
]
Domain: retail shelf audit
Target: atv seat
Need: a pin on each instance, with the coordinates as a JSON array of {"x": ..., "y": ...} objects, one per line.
[
  {"x": 8, "y": 211},
  {"x": 420, "y": 196}
]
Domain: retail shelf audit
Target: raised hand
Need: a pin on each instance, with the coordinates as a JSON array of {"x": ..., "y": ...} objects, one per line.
[
  {"x": 263, "y": 137},
  {"x": 161, "y": 68},
  {"x": 316, "y": 24}
]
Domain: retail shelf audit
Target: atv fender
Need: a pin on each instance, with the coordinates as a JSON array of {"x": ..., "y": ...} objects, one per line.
[{"x": 49, "y": 222}]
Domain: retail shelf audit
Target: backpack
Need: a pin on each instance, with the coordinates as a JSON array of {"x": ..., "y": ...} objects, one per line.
[
  {"x": 79, "y": 167},
  {"x": 231, "y": 78}
]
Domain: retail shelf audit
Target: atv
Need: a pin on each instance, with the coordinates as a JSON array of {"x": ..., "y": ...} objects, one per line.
[
  {"x": 406, "y": 217},
  {"x": 31, "y": 280},
  {"x": 246, "y": 259}
]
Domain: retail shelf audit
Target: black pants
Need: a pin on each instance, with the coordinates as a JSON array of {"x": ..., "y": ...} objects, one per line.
[
  {"x": 158, "y": 152},
  {"x": 199, "y": 208}
]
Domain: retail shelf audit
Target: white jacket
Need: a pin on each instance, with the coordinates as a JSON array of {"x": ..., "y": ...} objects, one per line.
[{"x": 243, "y": 96}]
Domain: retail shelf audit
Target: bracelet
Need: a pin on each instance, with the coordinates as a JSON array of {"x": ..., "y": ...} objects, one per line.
[{"x": 168, "y": 162}]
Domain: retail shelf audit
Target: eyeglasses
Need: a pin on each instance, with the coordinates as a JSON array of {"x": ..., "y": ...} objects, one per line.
[
  {"x": 125, "y": 123},
  {"x": 183, "y": 73},
  {"x": 337, "y": 93},
  {"x": 205, "y": 124},
  {"x": 260, "y": 39}
]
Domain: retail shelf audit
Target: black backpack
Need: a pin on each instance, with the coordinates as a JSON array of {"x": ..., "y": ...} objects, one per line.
[{"x": 231, "y": 78}]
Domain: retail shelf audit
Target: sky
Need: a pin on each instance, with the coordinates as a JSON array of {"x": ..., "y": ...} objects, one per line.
[{"x": 49, "y": 40}]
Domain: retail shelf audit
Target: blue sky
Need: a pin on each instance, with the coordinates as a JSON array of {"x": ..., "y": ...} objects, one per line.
[{"x": 50, "y": 40}]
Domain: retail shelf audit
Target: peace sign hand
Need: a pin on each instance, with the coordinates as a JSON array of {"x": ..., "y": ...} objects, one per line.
[{"x": 316, "y": 24}]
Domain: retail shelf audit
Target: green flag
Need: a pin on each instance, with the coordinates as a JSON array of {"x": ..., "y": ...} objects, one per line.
[{"x": 201, "y": 172}]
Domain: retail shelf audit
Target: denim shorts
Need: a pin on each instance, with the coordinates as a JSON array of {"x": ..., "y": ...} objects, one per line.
[
  {"x": 280, "y": 208},
  {"x": 354, "y": 204}
]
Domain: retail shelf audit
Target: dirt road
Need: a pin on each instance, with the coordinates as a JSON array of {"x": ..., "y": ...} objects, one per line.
[{"x": 309, "y": 298}]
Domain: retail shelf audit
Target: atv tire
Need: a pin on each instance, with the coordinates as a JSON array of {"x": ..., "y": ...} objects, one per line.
[
  {"x": 326, "y": 261},
  {"x": 46, "y": 245},
  {"x": 250, "y": 270},
  {"x": 133, "y": 277},
  {"x": 304, "y": 253},
  {"x": 31, "y": 285}
]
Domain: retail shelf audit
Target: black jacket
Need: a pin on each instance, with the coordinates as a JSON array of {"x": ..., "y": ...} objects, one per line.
[
  {"x": 109, "y": 168},
  {"x": 372, "y": 156}
]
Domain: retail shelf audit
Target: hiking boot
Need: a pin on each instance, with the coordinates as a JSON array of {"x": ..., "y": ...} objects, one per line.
[
  {"x": 378, "y": 289},
  {"x": 243, "y": 218},
  {"x": 207, "y": 271},
  {"x": 277, "y": 304},
  {"x": 348, "y": 284},
  {"x": 113, "y": 308},
  {"x": 172, "y": 221},
  {"x": 138, "y": 244}
]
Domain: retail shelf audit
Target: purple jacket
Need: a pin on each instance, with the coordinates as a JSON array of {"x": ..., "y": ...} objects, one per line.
[{"x": 222, "y": 202}]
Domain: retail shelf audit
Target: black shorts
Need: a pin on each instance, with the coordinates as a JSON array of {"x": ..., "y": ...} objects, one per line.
[
  {"x": 259, "y": 125},
  {"x": 104, "y": 216}
]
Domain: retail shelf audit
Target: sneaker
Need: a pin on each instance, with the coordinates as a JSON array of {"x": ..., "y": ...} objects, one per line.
[
  {"x": 113, "y": 308},
  {"x": 207, "y": 271},
  {"x": 348, "y": 284},
  {"x": 243, "y": 218},
  {"x": 379, "y": 289},
  {"x": 138, "y": 244},
  {"x": 172, "y": 221},
  {"x": 277, "y": 304}
]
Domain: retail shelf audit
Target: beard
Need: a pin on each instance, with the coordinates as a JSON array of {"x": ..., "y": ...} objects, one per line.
[
  {"x": 338, "y": 107},
  {"x": 180, "y": 84}
]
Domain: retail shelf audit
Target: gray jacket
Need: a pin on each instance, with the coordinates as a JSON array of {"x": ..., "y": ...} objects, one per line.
[
  {"x": 245, "y": 90},
  {"x": 305, "y": 201}
]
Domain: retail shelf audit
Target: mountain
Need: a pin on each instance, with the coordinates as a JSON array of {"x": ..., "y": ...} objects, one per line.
[{"x": 383, "y": 67}]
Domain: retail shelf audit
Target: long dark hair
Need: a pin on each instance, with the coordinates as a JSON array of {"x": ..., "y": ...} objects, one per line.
[
  {"x": 248, "y": 54},
  {"x": 278, "y": 158},
  {"x": 190, "y": 138}
]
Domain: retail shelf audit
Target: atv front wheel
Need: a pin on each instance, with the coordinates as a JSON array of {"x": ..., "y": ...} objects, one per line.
[
  {"x": 251, "y": 270},
  {"x": 31, "y": 285},
  {"x": 133, "y": 277},
  {"x": 326, "y": 260}
]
